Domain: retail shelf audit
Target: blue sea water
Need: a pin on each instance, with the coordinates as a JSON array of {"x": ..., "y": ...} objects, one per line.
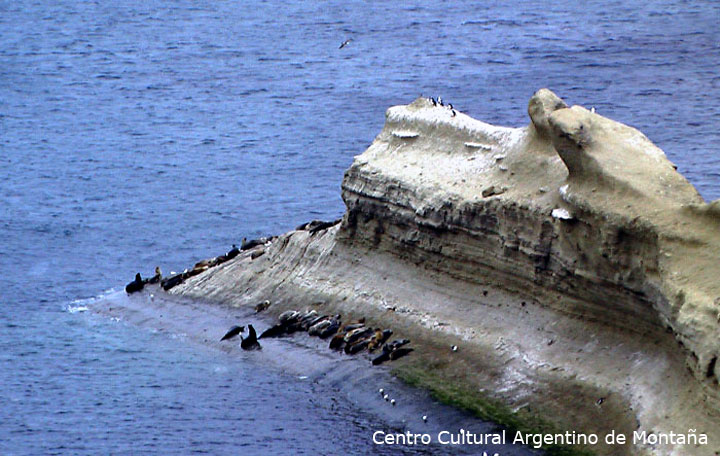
[{"x": 136, "y": 134}]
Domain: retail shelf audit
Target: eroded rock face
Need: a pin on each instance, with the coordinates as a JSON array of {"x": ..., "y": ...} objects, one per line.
[
  {"x": 636, "y": 248},
  {"x": 605, "y": 258}
]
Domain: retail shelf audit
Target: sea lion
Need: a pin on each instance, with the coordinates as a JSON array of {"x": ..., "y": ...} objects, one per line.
[
  {"x": 317, "y": 328},
  {"x": 273, "y": 331},
  {"x": 389, "y": 351},
  {"x": 232, "y": 332},
  {"x": 323, "y": 323},
  {"x": 338, "y": 340},
  {"x": 399, "y": 353},
  {"x": 330, "y": 330},
  {"x": 257, "y": 253},
  {"x": 247, "y": 245},
  {"x": 394, "y": 345},
  {"x": 309, "y": 225},
  {"x": 378, "y": 339},
  {"x": 172, "y": 281},
  {"x": 262, "y": 306},
  {"x": 358, "y": 346},
  {"x": 357, "y": 334},
  {"x": 299, "y": 322},
  {"x": 287, "y": 316},
  {"x": 233, "y": 252},
  {"x": 381, "y": 359},
  {"x": 135, "y": 285},
  {"x": 251, "y": 342},
  {"x": 310, "y": 318},
  {"x": 324, "y": 226}
]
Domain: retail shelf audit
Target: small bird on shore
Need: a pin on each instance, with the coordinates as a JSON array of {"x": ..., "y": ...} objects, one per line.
[
  {"x": 454, "y": 348},
  {"x": 232, "y": 332},
  {"x": 345, "y": 43},
  {"x": 392, "y": 402},
  {"x": 424, "y": 418}
]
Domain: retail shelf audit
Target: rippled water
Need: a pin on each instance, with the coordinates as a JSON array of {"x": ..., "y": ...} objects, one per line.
[{"x": 156, "y": 133}]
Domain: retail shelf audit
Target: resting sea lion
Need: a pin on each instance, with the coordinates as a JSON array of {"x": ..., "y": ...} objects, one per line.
[
  {"x": 330, "y": 330},
  {"x": 324, "y": 226},
  {"x": 172, "y": 281},
  {"x": 357, "y": 334},
  {"x": 357, "y": 346},
  {"x": 273, "y": 331},
  {"x": 378, "y": 339},
  {"x": 247, "y": 245},
  {"x": 232, "y": 332},
  {"x": 399, "y": 353}
]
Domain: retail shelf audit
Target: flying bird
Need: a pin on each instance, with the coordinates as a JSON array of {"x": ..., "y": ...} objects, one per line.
[{"x": 345, "y": 43}]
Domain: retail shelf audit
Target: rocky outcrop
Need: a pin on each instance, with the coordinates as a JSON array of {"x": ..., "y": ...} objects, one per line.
[{"x": 567, "y": 252}]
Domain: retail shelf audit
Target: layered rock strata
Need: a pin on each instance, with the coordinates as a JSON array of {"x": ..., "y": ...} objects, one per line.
[{"x": 566, "y": 253}]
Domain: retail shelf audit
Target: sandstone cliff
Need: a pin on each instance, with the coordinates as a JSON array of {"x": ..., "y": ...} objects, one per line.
[{"x": 575, "y": 267}]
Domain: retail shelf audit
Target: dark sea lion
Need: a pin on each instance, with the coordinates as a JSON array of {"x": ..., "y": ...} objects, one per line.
[
  {"x": 399, "y": 353},
  {"x": 287, "y": 316},
  {"x": 330, "y": 330},
  {"x": 381, "y": 359},
  {"x": 357, "y": 346},
  {"x": 273, "y": 331},
  {"x": 308, "y": 320},
  {"x": 318, "y": 327},
  {"x": 357, "y": 334},
  {"x": 172, "y": 281},
  {"x": 394, "y": 345},
  {"x": 392, "y": 351},
  {"x": 233, "y": 252},
  {"x": 135, "y": 285},
  {"x": 247, "y": 245},
  {"x": 251, "y": 342},
  {"x": 318, "y": 320},
  {"x": 324, "y": 226},
  {"x": 309, "y": 225},
  {"x": 298, "y": 323},
  {"x": 338, "y": 340},
  {"x": 232, "y": 332}
]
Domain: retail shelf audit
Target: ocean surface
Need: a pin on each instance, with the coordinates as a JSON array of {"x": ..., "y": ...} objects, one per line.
[{"x": 159, "y": 133}]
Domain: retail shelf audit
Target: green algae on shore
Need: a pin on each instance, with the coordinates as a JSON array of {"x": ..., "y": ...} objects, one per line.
[{"x": 458, "y": 394}]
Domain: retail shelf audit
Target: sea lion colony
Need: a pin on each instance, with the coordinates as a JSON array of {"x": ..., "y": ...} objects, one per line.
[
  {"x": 352, "y": 337},
  {"x": 257, "y": 246}
]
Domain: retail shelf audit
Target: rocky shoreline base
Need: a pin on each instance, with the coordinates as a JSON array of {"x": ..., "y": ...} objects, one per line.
[{"x": 343, "y": 378}]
